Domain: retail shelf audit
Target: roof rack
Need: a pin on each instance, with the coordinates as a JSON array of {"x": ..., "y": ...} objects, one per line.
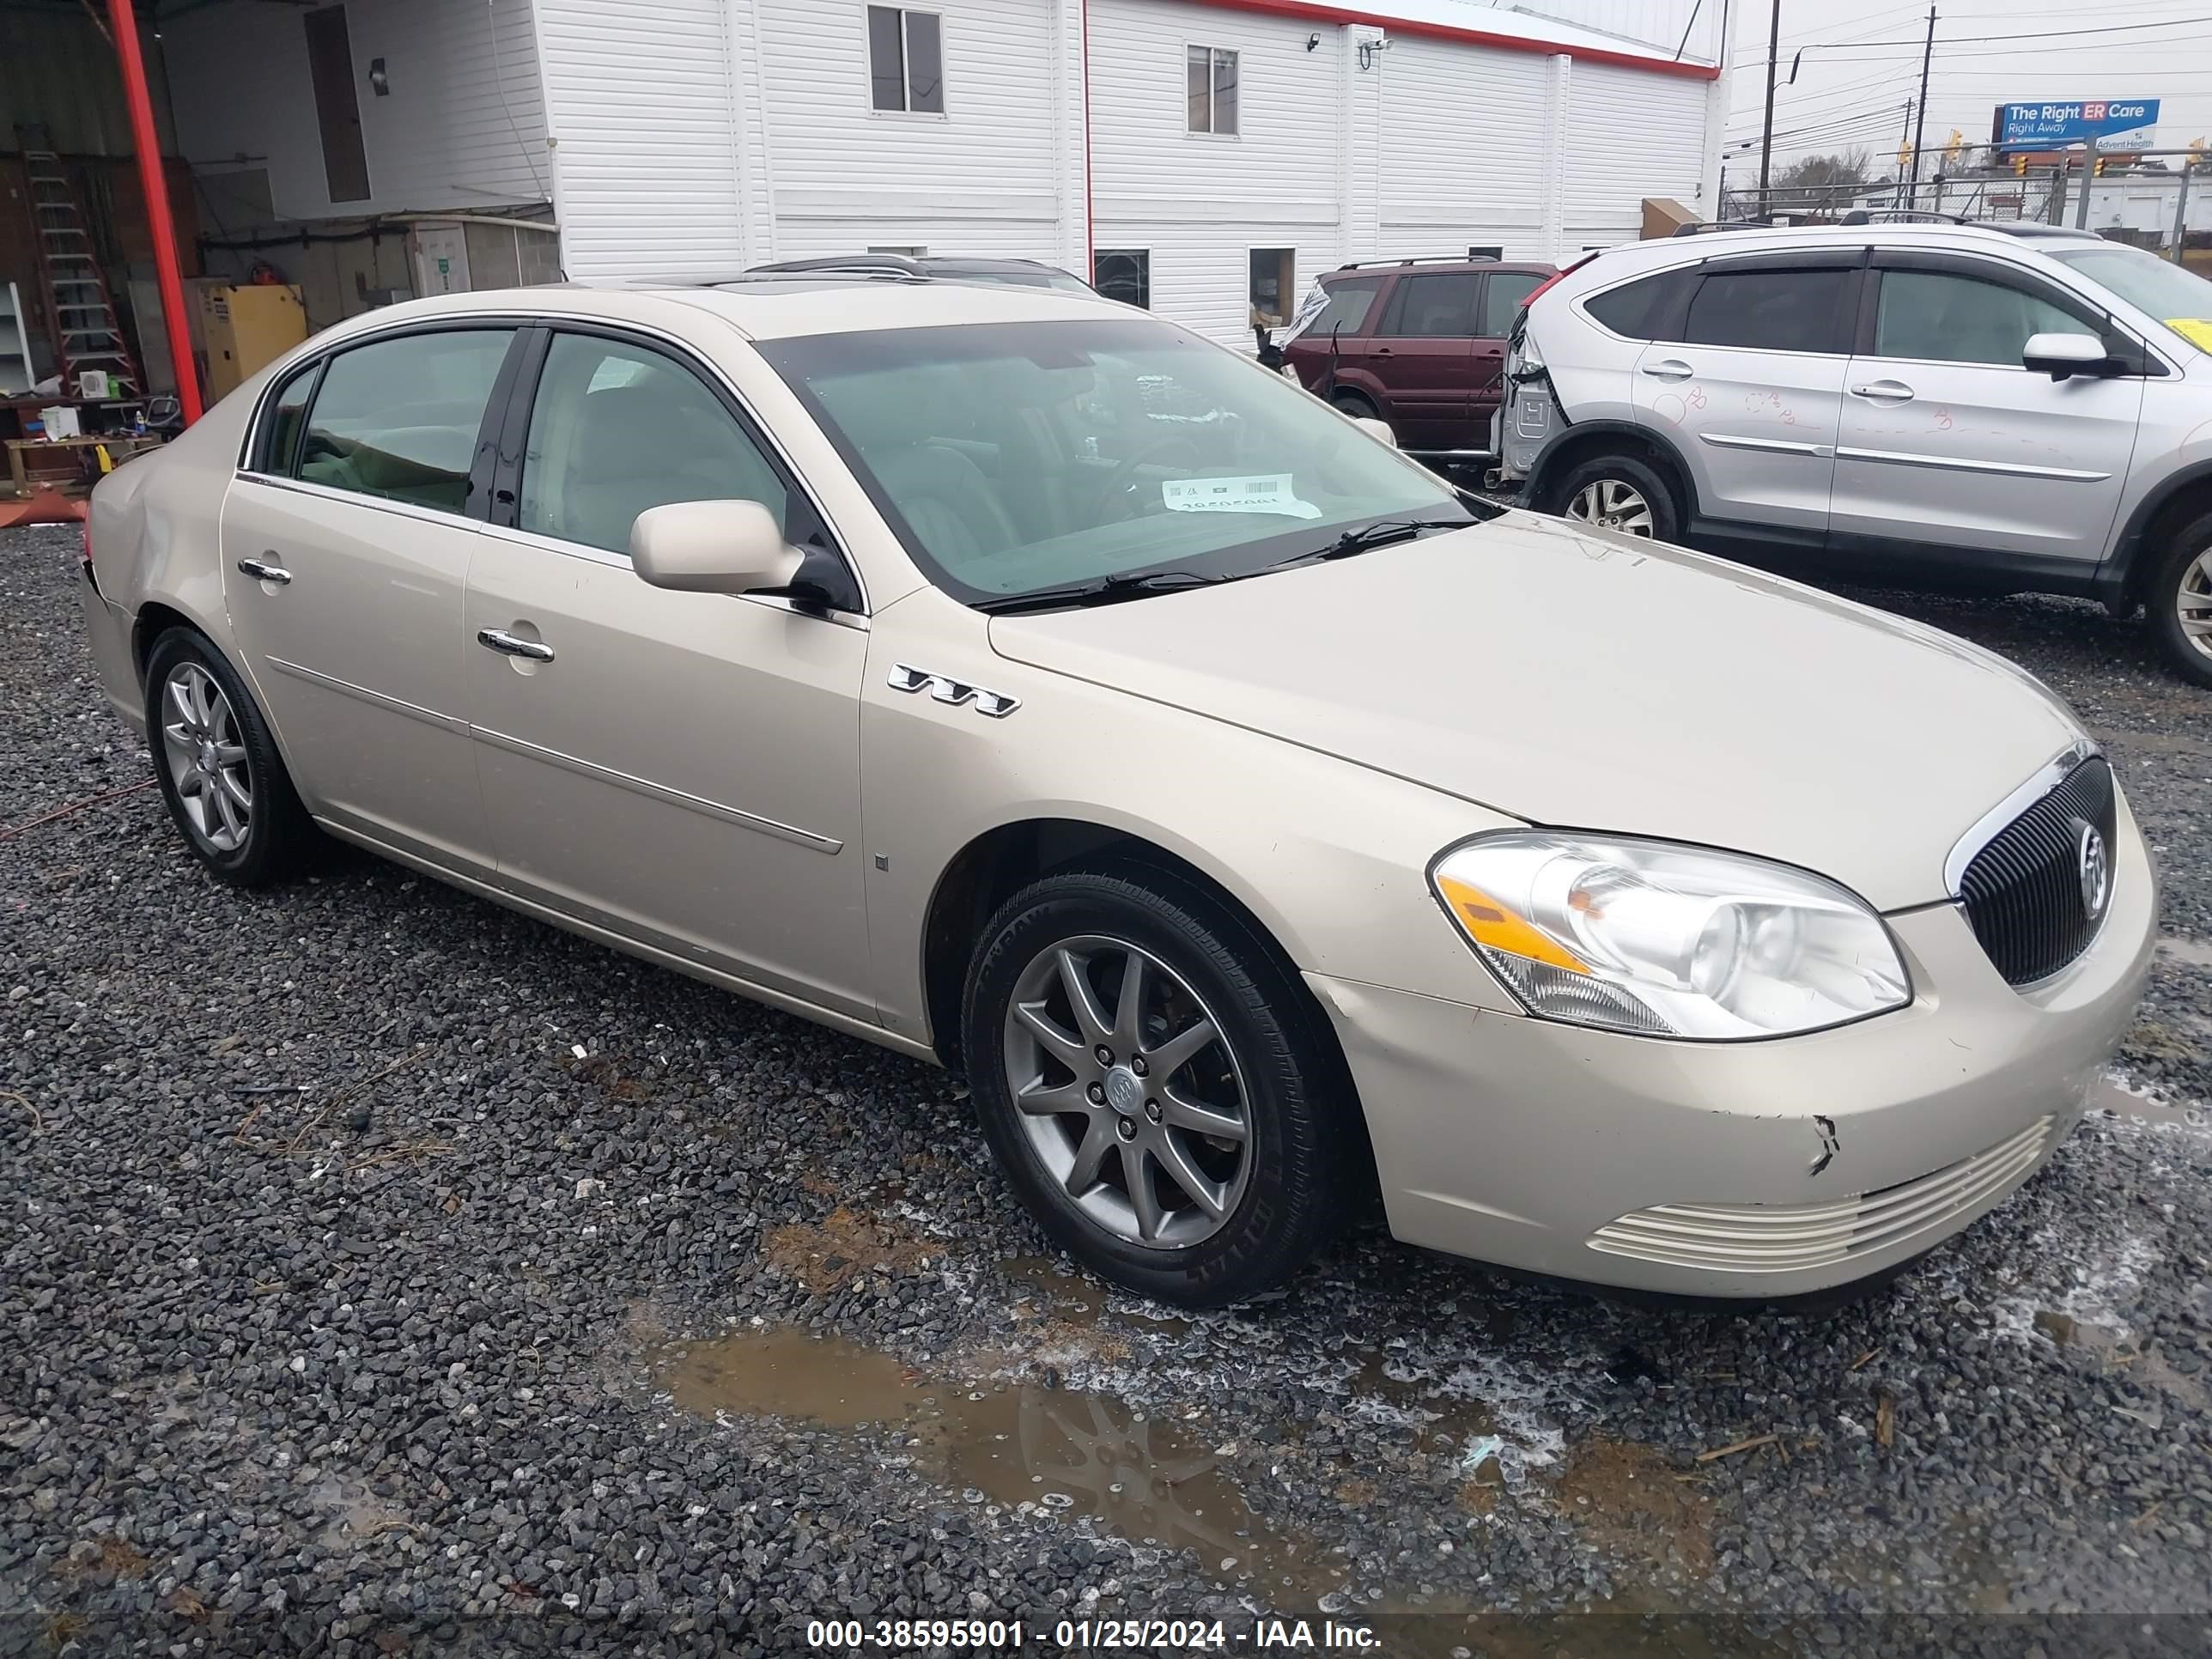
[
  {"x": 1423, "y": 259},
  {"x": 897, "y": 262},
  {"x": 1909, "y": 216},
  {"x": 1706, "y": 227}
]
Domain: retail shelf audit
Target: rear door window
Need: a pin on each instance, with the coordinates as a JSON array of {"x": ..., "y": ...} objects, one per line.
[
  {"x": 398, "y": 419},
  {"x": 1767, "y": 310},
  {"x": 1636, "y": 309},
  {"x": 1503, "y": 294},
  {"x": 1436, "y": 305},
  {"x": 1349, "y": 308}
]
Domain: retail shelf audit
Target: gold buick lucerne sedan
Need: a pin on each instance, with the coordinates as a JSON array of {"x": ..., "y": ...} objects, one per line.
[{"x": 1023, "y": 683}]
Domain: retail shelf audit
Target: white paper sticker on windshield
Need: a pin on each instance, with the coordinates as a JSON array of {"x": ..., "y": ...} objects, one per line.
[{"x": 1244, "y": 494}]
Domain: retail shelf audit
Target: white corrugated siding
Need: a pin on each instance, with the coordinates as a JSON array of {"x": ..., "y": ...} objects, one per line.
[
  {"x": 645, "y": 116},
  {"x": 444, "y": 138},
  {"x": 1201, "y": 202},
  {"x": 1629, "y": 134},
  {"x": 1463, "y": 144},
  {"x": 979, "y": 178}
]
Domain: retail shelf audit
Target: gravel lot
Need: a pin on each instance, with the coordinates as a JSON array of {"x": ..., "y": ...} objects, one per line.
[{"x": 385, "y": 1272}]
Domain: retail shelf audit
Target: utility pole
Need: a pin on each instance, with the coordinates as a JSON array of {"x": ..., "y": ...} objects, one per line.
[
  {"x": 1766, "y": 138},
  {"x": 1927, "y": 52},
  {"x": 1904, "y": 142}
]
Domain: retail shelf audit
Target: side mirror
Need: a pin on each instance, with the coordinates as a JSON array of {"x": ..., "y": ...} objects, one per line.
[
  {"x": 2061, "y": 356},
  {"x": 1379, "y": 430},
  {"x": 711, "y": 547}
]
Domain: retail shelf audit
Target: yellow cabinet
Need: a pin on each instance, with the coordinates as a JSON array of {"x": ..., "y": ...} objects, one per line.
[{"x": 245, "y": 329}]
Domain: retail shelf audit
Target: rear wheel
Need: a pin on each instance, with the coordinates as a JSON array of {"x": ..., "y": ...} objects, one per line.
[
  {"x": 1617, "y": 492},
  {"x": 2180, "y": 603},
  {"x": 218, "y": 767},
  {"x": 1142, "y": 1071}
]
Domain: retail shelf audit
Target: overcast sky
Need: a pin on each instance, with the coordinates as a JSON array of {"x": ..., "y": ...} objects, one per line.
[{"x": 1854, "y": 82}]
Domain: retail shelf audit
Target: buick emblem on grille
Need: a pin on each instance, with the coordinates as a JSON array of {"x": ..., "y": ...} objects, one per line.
[{"x": 2094, "y": 866}]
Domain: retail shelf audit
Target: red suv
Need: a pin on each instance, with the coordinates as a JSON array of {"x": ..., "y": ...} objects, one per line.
[{"x": 1419, "y": 343}]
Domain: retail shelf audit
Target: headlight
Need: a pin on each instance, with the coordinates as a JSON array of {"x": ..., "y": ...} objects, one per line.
[{"x": 1666, "y": 940}]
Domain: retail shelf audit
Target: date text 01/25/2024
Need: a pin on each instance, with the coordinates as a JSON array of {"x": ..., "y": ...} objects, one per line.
[{"x": 1083, "y": 1635}]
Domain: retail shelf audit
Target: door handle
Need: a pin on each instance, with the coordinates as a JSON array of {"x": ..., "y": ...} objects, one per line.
[
  {"x": 508, "y": 646},
  {"x": 1884, "y": 391},
  {"x": 262, "y": 571},
  {"x": 1669, "y": 369}
]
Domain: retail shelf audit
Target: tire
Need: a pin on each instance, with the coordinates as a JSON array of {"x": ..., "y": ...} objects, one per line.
[
  {"x": 1605, "y": 488},
  {"x": 2179, "y": 596},
  {"x": 242, "y": 819},
  {"x": 1277, "y": 1196},
  {"x": 1356, "y": 404}
]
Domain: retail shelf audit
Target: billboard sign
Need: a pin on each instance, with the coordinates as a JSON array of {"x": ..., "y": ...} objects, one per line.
[{"x": 2109, "y": 123}]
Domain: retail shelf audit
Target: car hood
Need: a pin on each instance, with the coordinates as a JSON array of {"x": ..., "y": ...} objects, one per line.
[{"x": 1587, "y": 680}]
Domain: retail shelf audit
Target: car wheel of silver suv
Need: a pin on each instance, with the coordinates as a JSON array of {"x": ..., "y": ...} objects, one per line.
[
  {"x": 1158, "y": 1085},
  {"x": 2180, "y": 603},
  {"x": 1617, "y": 492}
]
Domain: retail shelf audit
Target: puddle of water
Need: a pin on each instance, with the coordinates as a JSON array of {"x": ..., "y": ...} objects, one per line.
[
  {"x": 1077, "y": 1301},
  {"x": 2108, "y": 1095},
  {"x": 1148, "y": 1479},
  {"x": 1437, "y": 1421}
]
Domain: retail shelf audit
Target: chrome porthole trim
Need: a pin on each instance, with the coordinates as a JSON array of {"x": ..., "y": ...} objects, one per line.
[
  {"x": 993, "y": 705},
  {"x": 2047, "y": 777}
]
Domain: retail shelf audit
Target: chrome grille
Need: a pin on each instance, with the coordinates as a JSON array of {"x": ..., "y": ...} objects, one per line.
[
  {"x": 1748, "y": 1238},
  {"x": 2023, "y": 890}
]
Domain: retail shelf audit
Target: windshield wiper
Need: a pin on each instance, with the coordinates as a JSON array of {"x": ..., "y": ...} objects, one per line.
[
  {"x": 1381, "y": 533},
  {"x": 1105, "y": 591}
]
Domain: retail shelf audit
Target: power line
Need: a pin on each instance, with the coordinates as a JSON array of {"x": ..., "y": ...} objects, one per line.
[{"x": 2039, "y": 34}]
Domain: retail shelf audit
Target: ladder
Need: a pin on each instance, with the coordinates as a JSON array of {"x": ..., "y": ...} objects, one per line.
[{"x": 87, "y": 335}]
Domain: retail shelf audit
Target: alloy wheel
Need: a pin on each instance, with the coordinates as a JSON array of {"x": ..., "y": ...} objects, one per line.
[
  {"x": 2192, "y": 602},
  {"x": 206, "y": 753},
  {"x": 1614, "y": 505},
  {"x": 1128, "y": 1091}
]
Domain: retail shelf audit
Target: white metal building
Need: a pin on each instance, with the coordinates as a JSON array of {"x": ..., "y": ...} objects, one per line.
[{"x": 1212, "y": 155}]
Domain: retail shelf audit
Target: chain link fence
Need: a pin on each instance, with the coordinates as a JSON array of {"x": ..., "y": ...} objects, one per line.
[{"x": 2160, "y": 200}]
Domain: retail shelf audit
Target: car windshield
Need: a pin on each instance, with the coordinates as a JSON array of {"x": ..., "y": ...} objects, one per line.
[
  {"x": 2178, "y": 298},
  {"x": 1020, "y": 456}
]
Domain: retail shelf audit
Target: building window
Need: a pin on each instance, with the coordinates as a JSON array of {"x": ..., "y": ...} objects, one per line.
[
  {"x": 1498, "y": 253},
  {"x": 906, "y": 60},
  {"x": 1273, "y": 281},
  {"x": 1213, "y": 83},
  {"x": 1124, "y": 274}
]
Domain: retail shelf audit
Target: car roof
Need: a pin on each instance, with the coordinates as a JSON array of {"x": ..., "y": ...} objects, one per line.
[
  {"x": 1878, "y": 232},
  {"x": 1443, "y": 263},
  {"x": 774, "y": 306}
]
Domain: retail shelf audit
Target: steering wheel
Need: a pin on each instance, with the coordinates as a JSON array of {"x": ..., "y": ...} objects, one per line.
[{"x": 1121, "y": 482}]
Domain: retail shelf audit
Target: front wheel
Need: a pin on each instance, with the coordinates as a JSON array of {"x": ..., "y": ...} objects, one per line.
[
  {"x": 2180, "y": 604},
  {"x": 1617, "y": 492},
  {"x": 1156, "y": 1085}
]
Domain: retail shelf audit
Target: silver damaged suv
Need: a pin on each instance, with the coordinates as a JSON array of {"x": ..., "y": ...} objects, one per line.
[{"x": 1972, "y": 408}]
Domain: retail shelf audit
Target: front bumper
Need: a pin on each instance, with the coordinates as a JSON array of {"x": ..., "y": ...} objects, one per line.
[
  {"x": 1751, "y": 1170},
  {"x": 107, "y": 630}
]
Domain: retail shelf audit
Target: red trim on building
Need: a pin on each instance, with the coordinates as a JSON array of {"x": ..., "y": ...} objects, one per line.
[
  {"x": 1305, "y": 12},
  {"x": 1090, "y": 219}
]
